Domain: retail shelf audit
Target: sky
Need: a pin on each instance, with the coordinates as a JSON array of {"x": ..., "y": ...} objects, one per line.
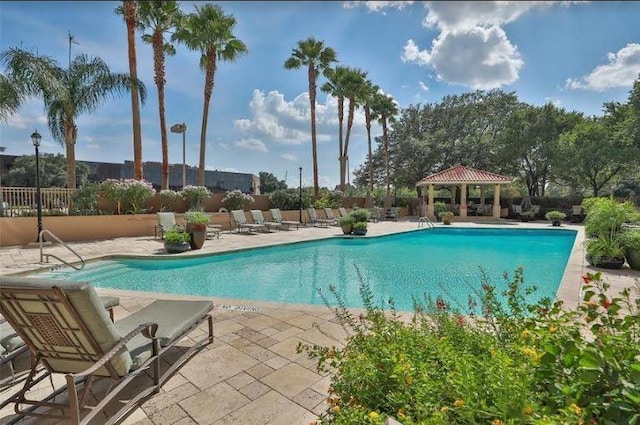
[{"x": 577, "y": 55}]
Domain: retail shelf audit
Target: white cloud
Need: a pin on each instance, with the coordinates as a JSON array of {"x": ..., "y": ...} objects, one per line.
[
  {"x": 276, "y": 120},
  {"x": 481, "y": 58},
  {"x": 289, "y": 157},
  {"x": 623, "y": 68},
  {"x": 423, "y": 86},
  {"x": 224, "y": 146},
  {"x": 251, "y": 144},
  {"x": 555, "y": 102},
  {"x": 378, "y": 6}
]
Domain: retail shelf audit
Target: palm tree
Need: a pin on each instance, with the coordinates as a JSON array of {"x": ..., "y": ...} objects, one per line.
[
  {"x": 67, "y": 93},
  {"x": 369, "y": 93},
  {"x": 355, "y": 87},
  {"x": 10, "y": 97},
  {"x": 159, "y": 17},
  {"x": 129, "y": 10},
  {"x": 209, "y": 31},
  {"x": 385, "y": 108},
  {"x": 317, "y": 57},
  {"x": 335, "y": 86}
]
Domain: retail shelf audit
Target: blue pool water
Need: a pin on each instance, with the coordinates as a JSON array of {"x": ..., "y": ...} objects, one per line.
[{"x": 437, "y": 262}]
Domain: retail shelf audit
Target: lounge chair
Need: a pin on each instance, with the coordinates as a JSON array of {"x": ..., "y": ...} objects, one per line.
[
  {"x": 241, "y": 222},
  {"x": 67, "y": 330},
  {"x": 313, "y": 216},
  {"x": 343, "y": 212},
  {"x": 12, "y": 346},
  {"x": 376, "y": 214},
  {"x": 166, "y": 221},
  {"x": 577, "y": 214},
  {"x": 328, "y": 212},
  {"x": 392, "y": 213},
  {"x": 258, "y": 218},
  {"x": 276, "y": 216}
]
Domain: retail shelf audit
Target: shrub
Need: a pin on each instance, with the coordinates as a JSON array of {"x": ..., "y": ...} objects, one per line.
[
  {"x": 606, "y": 215},
  {"x": 439, "y": 207},
  {"x": 176, "y": 236},
  {"x": 555, "y": 215},
  {"x": 360, "y": 215},
  {"x": 196, "y": 217},
  {"x": 194, "y": 196},
  {"x": 329, "y": 199},
  {"x": 85, "y": 199},
  {"x": 289, "y": 199},
  {"x": 445, "y": 214},
  {"x": 347, "y": 220},
  {"x": 236, "y": 200},
  {"x": 128, "y": 194},
  {"x": 360, "y": 225},
  {"x": 169, "y": 199},
  {"x": 630, "y": 239},
  {"x": 505, "y": 361}
]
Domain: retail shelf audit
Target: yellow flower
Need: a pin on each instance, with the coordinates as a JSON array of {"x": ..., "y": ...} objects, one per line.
[
  {"x": 496, "y": 422},
  {"x": 458, "y": 403},
  {"x": 336, "y": 408},
  {"x": 409, "y": 380},
  {"x": 401, "y": 413},
  {"x": 444, "y": 409},
  {"x": 373, "y": 415},
  {"x": 525, "y": 334},
  {"x": 530, "y": 352},
  {"x": 553, "y": 328},
  {"x": 576, "y": 409},
  {"x": 528, "y": 410}
]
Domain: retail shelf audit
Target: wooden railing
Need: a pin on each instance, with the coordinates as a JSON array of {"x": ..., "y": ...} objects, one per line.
[{"x": 22, "y": 201}]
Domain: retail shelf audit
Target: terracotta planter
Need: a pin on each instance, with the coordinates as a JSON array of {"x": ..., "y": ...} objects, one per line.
[
  {"x": 198, "y": 234},
  {"x": 347, "y": 229},
  {"x": 174, "y": 248}
]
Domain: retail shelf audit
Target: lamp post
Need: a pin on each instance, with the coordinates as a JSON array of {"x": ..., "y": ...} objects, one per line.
[
  {"x": 300, "y": 199},
  {"x": 36, "y": 138},
  {"x": 182, "y": 128}
]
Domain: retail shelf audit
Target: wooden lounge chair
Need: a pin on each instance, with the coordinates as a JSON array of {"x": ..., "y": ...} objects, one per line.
[
  {"x": 69, "y": 332},
  {"x": 258, "y": 218},
  {"x": 321, "y": 222},
  {"x": 276, "y": 216},
  {"x": 241, "y": 222}
]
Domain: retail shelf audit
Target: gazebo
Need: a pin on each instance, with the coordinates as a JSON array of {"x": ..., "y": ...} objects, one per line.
[{"x": 459, "y": 178}]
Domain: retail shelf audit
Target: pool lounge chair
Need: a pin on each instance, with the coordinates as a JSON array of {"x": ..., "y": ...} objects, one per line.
[
  {"x": 241, "y": 222},
  {"x": 343, "y": 212},
  {"x": 328, "y": 212},
  {"x": 258, "y": 218},
  {"x": 12, "y": 346},
  {"x": 392, "y": 213},
  {"x": 276, "y": 216},
  {"x": 68, "y": 331},
  {"x": 166, "y": 221},
  {"x": 315, "y": 221},
  {"x": 577, "y": 214}
]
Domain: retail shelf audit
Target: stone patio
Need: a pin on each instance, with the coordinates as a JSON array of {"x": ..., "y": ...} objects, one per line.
[{"x": 252, "y": 373}]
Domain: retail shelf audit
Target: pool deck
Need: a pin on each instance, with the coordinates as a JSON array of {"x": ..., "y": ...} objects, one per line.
[{"x": 252, "y": 373}]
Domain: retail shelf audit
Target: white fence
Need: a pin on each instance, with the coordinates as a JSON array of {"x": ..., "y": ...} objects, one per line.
[{"x": 23, "y": 201}]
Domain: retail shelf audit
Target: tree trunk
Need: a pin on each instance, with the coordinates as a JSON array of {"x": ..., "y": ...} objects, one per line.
[
  {"x": 130, "y": 18},
  {"x": 158, "y": 65},
  {"x": 385, "y": 138},
  {"x": 340, "y": 141},
  {"x": 314, "y": 146},
  {"x": 367, "y": 117},
  {"x": 345, "y": 153},
  {"x": 210, "y": 74}
]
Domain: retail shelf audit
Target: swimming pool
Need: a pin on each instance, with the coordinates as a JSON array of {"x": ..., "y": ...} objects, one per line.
[{"x": 439, "y": 261}]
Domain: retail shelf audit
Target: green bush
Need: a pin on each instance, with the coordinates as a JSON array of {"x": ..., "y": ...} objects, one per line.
[
  {"x": 289, "y": 199},
  {"x": 630, "y": 239},
  {"x": 504, "y": 361},
  {"x": 439, "y": 207},
  {"x": 176, "y": 236},
  {"x": 194, "y": 197},
  {"x": 85, "y": 199},
  {"x": 329, "y": 199},
  {"x": 360, "y": 215},
  {"x": 236, "y": 200},
  {"x": 555, "y": 215},
  {"x": 359, "y": 225},
  {"x": 169, "y": 199},
  {"x": 347, "y": 220},
  {"x": 606, "y": 215},
  {"x": 196, "y": 217},
  {"x": 128, "y": 194}
]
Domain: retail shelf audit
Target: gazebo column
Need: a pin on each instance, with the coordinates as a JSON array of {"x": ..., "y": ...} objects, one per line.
[
  {"x": 430, "y": 206},
  {"x": 482, "y": 195},
  {"x": 496, "y": 201},
  {"x": 463, "y": 200},
  {"x": 452, "y": 203}
]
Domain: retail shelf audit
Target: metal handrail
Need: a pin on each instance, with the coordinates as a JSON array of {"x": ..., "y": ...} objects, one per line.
[
  {"x": 425, "y": 221},
  {"x": 41, "y": 240}
]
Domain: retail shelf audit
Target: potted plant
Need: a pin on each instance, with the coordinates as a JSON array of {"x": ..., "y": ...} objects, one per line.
[
  {"x": 630, "y": 240},
  {"x": 360, "y": 228},
  {"x": 438, "y": 208},
  {"x": 527, "y": 215},
  {"x": 360, "y": 215},
  {"x": 347, "y": 223},
  {"x": 175, "y": 240},
  {"x": 196, "y": 227},
  {"x": 605, "y": 251},
  {"x": 446, "y": 217},
  {"x": 555, "y": 217}
]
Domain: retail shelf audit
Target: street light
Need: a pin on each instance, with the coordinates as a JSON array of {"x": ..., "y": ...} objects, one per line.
[
  {"x": 300, "y": 200},
  {"x": 36, "y": 138},
  {"x": 182, "y": 128}
]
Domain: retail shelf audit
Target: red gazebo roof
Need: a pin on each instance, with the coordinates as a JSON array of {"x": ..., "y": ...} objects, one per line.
[{"x": 461, "y": 174}]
